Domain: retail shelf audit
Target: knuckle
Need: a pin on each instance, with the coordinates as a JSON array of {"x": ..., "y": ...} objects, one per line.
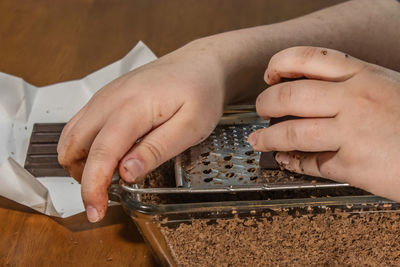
[
  {"x": 292, "y": 135},
  {"x": 266, "y": 76},
  {"x": 68, "y": 127},
  {"x": 69, "y": 151},
  {"x": 285, "y": 94},
  {"x": 264, "y": 141},
  {"x": 323, "y": 169},
  {"x": 101, "y": 152},
  {"x": 313, "y": 132},
  {"x": 199, "y": 129},
  {"x": 156, "y": 151},
  {"x": 350, "y": 157},
  {"x": 306, "y": 54},
  {"x": 324, "y": 165},
  {"x": 366, "y": 98},
  {"x": 63, "y": 159},
  {"x": 261, "y": 105}
]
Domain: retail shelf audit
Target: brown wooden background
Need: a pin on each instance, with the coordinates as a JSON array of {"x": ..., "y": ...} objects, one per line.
[{"x": 48, "y": 41}]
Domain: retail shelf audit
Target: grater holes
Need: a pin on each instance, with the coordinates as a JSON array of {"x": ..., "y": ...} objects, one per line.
[
  {"x": 206, "y": 163},
  {"x": 228, "y": 158},
  {"x": 229, "y": 174},
  {"x": 206, "y": 154},
  {"x": 228, "y": 166},
  {"x": 253, "y": 178},
  {"x": 250, "y": 161},
  {"x": 208, "y": 171},
  {"x": 207, "y": 180},
  {"x": 249, "y": 153},
  {"x": 251, "y": 169}
]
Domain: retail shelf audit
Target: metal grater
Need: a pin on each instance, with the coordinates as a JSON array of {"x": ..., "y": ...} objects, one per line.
[{"x": 225, "y": 162}]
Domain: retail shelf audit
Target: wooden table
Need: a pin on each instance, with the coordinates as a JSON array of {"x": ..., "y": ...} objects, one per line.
[{"x": 49, "y": 41}]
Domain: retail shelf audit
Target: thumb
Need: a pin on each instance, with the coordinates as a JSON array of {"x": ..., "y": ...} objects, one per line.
[{"x": 168, "y": 140}]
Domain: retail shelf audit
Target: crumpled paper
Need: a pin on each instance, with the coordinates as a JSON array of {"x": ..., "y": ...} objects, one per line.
[{"x": 22, "y": 105}]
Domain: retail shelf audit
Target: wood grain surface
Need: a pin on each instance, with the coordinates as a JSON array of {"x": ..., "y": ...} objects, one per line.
[{"x": 49, "y": 41}]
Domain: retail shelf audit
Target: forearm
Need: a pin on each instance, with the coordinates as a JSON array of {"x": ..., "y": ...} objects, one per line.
[{"x": 366, "y": 29}]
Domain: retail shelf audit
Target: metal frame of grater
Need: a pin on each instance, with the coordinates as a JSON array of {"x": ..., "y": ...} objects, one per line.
[{"x": 225, "y": 162}]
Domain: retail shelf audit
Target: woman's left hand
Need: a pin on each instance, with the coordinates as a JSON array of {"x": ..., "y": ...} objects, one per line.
[{"x": 350, "y": 125}]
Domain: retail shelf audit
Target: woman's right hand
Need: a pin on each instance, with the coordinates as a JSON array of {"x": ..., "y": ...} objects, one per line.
[{"x": 169, "y": 105}]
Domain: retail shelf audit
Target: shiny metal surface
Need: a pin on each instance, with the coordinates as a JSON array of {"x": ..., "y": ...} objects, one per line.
[{"x": 225, "y": 162}]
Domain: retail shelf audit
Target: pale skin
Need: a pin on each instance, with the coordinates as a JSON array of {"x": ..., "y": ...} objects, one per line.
[{"x": 351, "y": 128}]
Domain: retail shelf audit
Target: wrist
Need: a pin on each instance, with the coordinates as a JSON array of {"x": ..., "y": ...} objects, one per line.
[{"x": 240, "y": 68}]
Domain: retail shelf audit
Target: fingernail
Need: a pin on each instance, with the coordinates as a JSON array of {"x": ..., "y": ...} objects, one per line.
[
  {"x": 92, "y": 214},
  {"x": 253, "y": 139},
  {"x": 282, "y": 158},
  {"x": 134, "y": 169}
]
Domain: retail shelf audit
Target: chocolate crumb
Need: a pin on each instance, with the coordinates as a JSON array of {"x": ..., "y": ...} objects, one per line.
[
  {"x": 227, "y": 158},
  {"x": 207, "y": 171},
  {"x": 229, "y": 174},
  {"x": 324, "y": 52},
  {"x": 249, "y": 153},
  {"x": 298, "y": 239},
  {"x": 251, "y": 170},
  {"x": 206, "y": 154},
  {"x": 228, "y": 166},
  {"x": 253, "y": 178}
]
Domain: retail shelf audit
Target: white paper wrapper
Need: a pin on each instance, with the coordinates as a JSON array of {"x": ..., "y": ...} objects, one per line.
[{"x": 22, "y": 105}]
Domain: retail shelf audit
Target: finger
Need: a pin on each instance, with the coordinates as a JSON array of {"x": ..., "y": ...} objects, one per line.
[
  {"x": 77, "y": 140},
  {"x": 162, "y": 144},
  {"x": 309, "y": 135},
  {"x": 75, "y": 143},
  {"x": 312, "y": 62},
  {"x": 79, "y": 133},
  {"x": 66, "y": 153},
  {"x": 320, "y": 164},
  {"x": 303, "y": 98},
  {"x": 114, "y": 140},
  {"x": 68, "y": 127}
]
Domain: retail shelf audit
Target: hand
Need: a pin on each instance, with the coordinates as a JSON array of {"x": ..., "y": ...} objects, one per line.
[
  {"x": 172, "y": 103},
  {"x": 351, "y": 126}
]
